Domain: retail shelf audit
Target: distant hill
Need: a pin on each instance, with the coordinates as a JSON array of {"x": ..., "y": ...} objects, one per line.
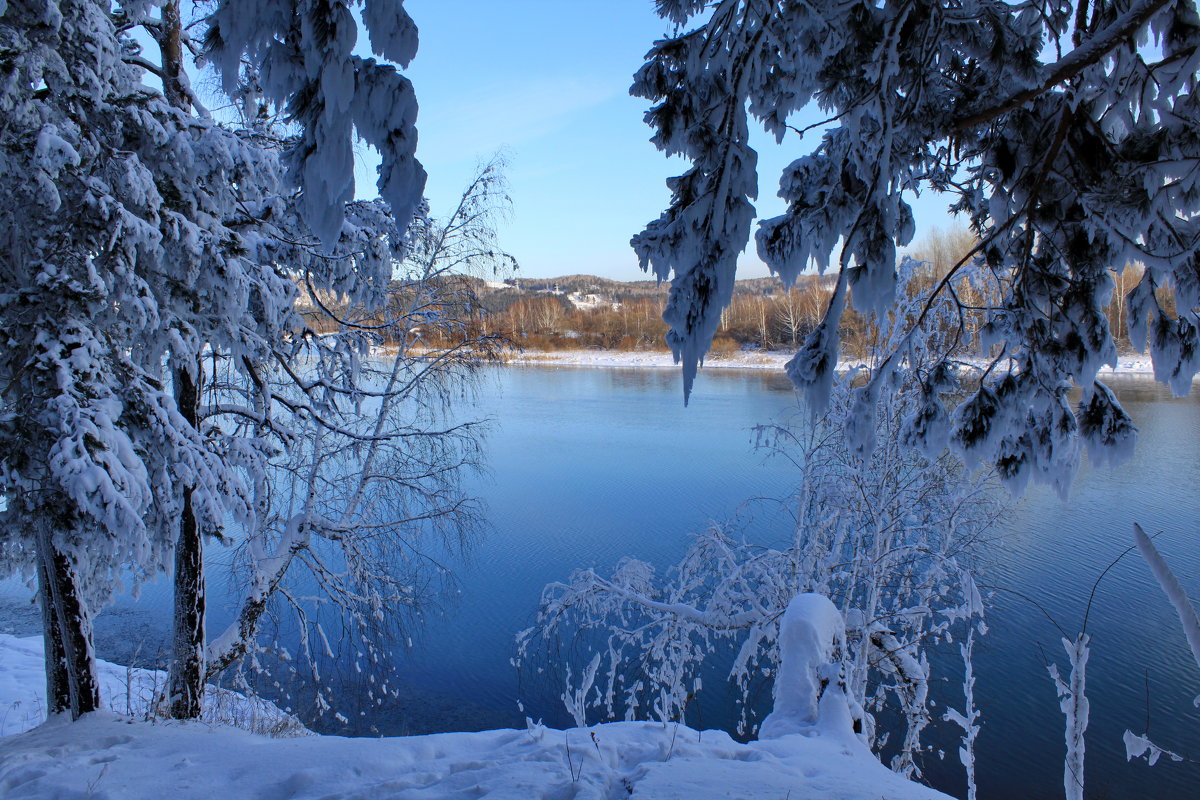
[{"x": 621, "y": 291}]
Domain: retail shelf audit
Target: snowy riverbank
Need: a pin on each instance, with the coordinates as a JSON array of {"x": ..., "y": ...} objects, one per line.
[
  {"x": 109, "y": 757},
  {"x": 1132, "y": 364},
  {"x": 127, "y": 691}
]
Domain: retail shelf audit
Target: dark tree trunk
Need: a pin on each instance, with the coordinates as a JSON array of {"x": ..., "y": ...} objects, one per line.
[
  {"x": 170, "y": 41},
  {"x": 185, "y": 679},
  {"x": 71, "y": 683},
  {"x": 58, "y": 687}
]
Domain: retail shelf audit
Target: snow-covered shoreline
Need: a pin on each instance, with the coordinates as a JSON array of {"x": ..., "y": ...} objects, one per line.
[
  {"x": 109, "y": 756},
  {"x": 128, "y": 691},
  {"x": 1132, "y": 364}
]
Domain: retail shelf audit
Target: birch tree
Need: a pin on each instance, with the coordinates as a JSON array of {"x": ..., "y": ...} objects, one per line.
[{"x": 356, "y": 495}]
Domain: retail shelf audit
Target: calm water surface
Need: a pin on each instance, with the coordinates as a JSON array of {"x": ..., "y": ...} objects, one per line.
[{"x": 589, "y": 465}]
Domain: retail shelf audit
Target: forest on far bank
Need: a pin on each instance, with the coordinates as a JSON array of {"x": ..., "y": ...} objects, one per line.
[{"x": 584, "y": 312}]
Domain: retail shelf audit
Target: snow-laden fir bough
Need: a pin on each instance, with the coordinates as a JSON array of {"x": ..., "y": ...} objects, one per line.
[{"x": 1067, "y": 133}]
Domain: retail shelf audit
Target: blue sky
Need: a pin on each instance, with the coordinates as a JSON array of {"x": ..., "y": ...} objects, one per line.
[{"x": 546, "y": 82}]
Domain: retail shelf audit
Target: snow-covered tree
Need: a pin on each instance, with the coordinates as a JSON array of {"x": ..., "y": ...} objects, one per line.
[
  {"x": 1067, "y": 133},
  {"x": 357, "y": 493},
  {"x": 89, "y": 424},
  {"x": 304, "y": 53},
  {"x": 885, "y": 532},
  {"x": 139, "y": 235}
]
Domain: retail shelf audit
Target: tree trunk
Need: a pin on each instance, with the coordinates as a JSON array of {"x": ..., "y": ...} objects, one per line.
[
  {"x": 170, "y": 42},
  {"x": 185, "y": 679},
  {"x": 58, "y": 687},
  {"x": 71, "y": 683}
]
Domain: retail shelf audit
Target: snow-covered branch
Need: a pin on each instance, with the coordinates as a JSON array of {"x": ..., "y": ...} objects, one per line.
[{"x": 1067, "y": 145}]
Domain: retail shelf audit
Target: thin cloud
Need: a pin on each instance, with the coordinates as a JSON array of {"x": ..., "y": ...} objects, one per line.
[{"x": 498, "y": 116}]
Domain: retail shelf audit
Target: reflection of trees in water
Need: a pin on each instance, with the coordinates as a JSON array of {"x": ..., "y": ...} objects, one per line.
[{"x": 747, "y": 381}]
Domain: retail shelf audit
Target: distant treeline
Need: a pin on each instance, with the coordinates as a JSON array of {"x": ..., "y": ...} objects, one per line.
[
  {"x": 589, "y": 312},
  {"x": 763, "y": 315}
]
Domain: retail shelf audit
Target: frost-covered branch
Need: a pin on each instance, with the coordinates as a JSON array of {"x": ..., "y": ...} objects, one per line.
[
  {"x": 1189, "y": 620},
  {"x": 1138, "y": 746},
  {"x": 1072, "y": 698},
  {"x": 968, "y": 718}
]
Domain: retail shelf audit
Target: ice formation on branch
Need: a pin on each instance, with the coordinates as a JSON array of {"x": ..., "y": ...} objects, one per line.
[
  {"x": 1072, "y": 699},
  {"x": 1139, "y": 746}
]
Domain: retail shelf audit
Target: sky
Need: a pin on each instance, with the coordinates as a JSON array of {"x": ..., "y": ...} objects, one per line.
[{"x": 545, "y": 84}]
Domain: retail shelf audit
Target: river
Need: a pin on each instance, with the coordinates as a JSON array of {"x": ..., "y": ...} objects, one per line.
[{"x": 589, "y": 465}]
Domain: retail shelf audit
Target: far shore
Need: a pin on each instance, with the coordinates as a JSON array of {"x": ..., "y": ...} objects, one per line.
[{"x": 1130, "y": 364}]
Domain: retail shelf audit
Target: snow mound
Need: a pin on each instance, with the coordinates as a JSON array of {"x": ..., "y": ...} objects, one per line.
[{"x": 107, "y": 757}]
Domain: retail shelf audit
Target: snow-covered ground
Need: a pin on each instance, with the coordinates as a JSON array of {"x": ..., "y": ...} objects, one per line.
[
  {"x": 1134, "y": 364},
  {"x": 128, "y": 691},
  {"x": 111, "y": 757}
]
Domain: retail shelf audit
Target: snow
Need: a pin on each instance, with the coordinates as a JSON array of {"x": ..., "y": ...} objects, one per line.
[
  {"x": 1189, "y": 620},
  {"x": 811, "y": 628},
  {"x": 128, "y": 691},
  {"x": 1134, "y": 364},
  {"x": 1073, "y": 701},
  {"x": 109, "y": 757},
  {"x": 1139, "y": 746},
  {"x": 306, "y": 52}
]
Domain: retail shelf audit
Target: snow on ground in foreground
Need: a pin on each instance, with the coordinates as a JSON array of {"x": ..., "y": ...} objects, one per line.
[
  {"x": 108, "y": 757},
  {"x": 124, "y": 690},
  {"x": 1134, "y": 364}
]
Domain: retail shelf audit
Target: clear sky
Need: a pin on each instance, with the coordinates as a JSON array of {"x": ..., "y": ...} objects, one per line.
[{"x": 546, "y": 82}]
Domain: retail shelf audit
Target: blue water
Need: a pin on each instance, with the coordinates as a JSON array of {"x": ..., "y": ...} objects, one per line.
[
  {"x": 589, "y": 465},
  {"x": 1140, "y": 668}
]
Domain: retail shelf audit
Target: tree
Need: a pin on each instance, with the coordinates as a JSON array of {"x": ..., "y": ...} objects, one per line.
[
  {"x": 1068, "y": 135},
  {"x": 88, "y": 421},
  {"x": 353, "y": 496},
  {"x": 943, "y": 249},
  {"x": 136, "y": 242},
  {"x": 293, "y": 382},
  {"x": 790, "y": 314},
  {"x": 304, "y": 52}
]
